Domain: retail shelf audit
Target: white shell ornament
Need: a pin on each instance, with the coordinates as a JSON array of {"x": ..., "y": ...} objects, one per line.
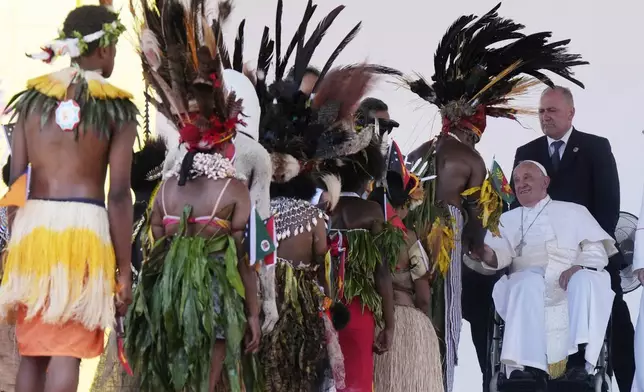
[{"x": 68, "y": 115}]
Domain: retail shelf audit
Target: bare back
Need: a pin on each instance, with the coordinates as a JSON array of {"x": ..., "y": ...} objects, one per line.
[
  {"x": 356, "y": 213},
  {"x": 458, "y": 168},
  {"x": 63, "y": 167},
  {"x": 223, "y": 199},
  {"x": 305, "y": 248}
]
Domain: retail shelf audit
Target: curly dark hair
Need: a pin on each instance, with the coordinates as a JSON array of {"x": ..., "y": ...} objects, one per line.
[{"x": 86, "y": 20}]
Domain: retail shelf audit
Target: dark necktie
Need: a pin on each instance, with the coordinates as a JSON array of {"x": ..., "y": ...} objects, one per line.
[{"x": 556, "y": 157}]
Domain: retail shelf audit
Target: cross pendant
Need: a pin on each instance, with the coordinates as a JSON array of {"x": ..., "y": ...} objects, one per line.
[{"x": 519, "y": 248}]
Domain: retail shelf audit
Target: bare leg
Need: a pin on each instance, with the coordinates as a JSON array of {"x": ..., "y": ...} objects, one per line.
[
  {"x": 32, "y": 374},
  {"x": 217, "y": 363},
  {"x": 62, "y": 375}
]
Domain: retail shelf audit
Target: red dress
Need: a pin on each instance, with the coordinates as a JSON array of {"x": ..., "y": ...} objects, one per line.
[
  {"x": 356, "y": 341},
  {"x": 357, "y": 337}
]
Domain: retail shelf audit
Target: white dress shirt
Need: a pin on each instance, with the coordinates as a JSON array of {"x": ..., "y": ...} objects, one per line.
[{"x": 564, "y": 138}]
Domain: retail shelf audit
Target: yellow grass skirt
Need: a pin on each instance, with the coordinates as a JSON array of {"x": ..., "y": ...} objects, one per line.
[
  {"x": 59, "y": 278},
  {"x": 413, "y": 362}
]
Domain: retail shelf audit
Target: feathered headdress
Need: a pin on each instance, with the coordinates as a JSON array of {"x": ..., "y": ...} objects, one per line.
[
  {"x": 475, "y": 77},
  {"x": 182, "y": 63},
  {"x": 301, "y": 131},
  {"x": 402, "y": 186}
]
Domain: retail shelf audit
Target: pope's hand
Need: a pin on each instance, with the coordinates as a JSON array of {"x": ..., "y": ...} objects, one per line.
[
  {"x": 484, "y": 254},
  {"x": 565, "y": 276},
  {"x": 640, "y": 275}
]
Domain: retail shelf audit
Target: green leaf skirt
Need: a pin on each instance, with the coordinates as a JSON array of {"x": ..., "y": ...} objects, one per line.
[{"x": 189, "y": 292}]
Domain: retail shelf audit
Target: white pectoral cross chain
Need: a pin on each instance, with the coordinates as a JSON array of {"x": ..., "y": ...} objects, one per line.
[{"x": 522, "y": 243}]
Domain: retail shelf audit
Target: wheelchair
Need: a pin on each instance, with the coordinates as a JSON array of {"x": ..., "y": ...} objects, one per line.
[{"x": 498, "y": 381}]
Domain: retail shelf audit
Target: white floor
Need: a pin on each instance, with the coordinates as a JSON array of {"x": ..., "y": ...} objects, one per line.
[{"x": 468, "y": 374}]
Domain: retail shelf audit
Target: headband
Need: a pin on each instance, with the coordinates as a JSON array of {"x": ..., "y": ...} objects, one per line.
[
  {"x": 537, "y": 164},
  {"x": 77, "y": 46}
]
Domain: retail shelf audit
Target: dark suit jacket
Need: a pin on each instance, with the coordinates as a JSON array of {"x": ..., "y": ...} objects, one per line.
[{"x": 587, "y": 175}]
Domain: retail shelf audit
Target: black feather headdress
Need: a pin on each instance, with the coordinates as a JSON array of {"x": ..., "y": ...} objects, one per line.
[
  {"x": 481, "y": 64},
  {"x": 301, "y": 131}
]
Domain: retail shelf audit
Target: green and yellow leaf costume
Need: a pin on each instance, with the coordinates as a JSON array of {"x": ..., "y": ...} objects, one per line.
[{"x": 172, "y": 323}]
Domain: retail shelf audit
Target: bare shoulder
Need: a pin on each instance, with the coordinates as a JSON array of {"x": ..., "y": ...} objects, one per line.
[{"x": 237, "y": 186}]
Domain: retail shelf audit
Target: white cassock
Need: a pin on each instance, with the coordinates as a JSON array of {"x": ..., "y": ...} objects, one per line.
[
  {"x": 543, "y": 323},
  {"x": 638, "y": 263}
]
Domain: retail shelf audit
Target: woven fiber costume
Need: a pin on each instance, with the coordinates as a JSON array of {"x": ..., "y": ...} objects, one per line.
[
  {"x": 475, "y": 77},
  {"x": 415, "y": 342},
  {"x": 190, "y": 291},
  {"x": 59, "y": 272}
]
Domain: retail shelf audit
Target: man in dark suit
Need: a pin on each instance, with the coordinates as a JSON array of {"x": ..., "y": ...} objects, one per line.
[{"x": 582, "y": 170}]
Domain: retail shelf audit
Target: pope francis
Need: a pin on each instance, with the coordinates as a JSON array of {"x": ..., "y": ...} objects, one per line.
[{"x": 557, "y": 295}]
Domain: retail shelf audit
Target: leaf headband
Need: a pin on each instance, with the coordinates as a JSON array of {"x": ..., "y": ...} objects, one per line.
[{"x": 77, "y": 46}]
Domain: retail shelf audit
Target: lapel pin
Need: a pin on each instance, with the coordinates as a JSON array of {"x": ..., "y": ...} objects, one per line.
[{"x": 575, "y": 149}]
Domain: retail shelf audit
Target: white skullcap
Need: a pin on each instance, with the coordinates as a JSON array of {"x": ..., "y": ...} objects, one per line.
[{"x": 537, "y": 164}]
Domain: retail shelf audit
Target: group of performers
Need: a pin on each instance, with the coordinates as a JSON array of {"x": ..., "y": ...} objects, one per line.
[{"x": 286, "y": 244}]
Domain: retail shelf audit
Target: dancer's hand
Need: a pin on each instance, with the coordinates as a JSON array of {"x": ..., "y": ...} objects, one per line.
[
  {"x": 123, "y": 293},
  {"x": 384, "y": 341},
  {"x": 253, "y": 335}
]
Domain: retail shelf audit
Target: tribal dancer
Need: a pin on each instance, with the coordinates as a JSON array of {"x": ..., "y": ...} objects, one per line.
[
  {"x": 301, "y": 133},
  {"x": 251, "y": 160},
  {"x": 474, "y": 78},
  {"x": 364, "y": 249},
  {"x": 294, "y": 131},
  {"x": 60, "y": 271},
  {"x": 189, "y": 319},
  {"x": 415, "y": 344}
]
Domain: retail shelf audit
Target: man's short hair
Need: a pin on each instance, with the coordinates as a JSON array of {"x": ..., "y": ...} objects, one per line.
[
  {"x": 312, "y": 71},
  {"x": 86, "y": 20},
  {"x": 565, "y": 91},
  {"x": 370, "y": 105}
]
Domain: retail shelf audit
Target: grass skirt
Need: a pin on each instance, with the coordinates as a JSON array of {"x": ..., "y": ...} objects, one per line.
[
  {"x": 110, "y": 375},
  {"x": 172, "y": 325},
  {"x": 59, "y": 279},
  {"x": 291, "y": 353},
  {"x": 413, "y": 364}
]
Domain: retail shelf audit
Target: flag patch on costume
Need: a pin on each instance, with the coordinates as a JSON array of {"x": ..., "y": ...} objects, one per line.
[{"x": 260, "y": 241}]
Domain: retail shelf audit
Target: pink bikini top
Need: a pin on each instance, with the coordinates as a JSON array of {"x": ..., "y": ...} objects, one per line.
[{"x": 210, "y": 220}]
